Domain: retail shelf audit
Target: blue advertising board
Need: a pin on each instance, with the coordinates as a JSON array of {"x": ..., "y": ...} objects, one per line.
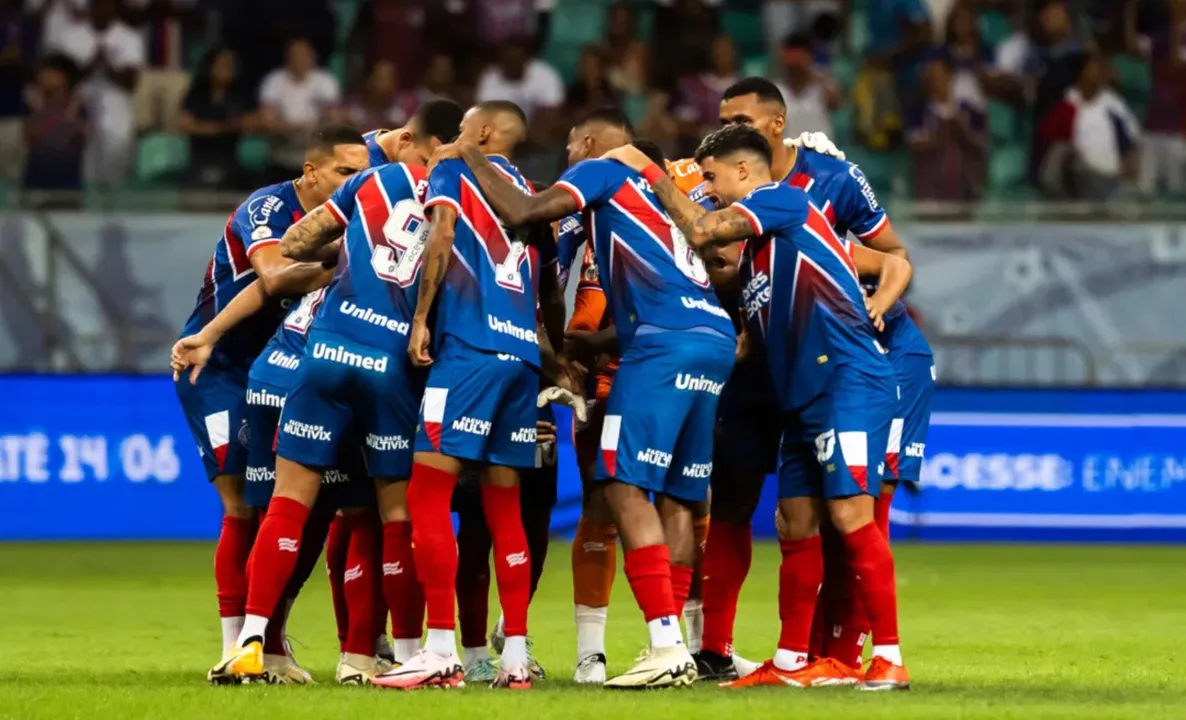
[{"x": 110, "y": 457}]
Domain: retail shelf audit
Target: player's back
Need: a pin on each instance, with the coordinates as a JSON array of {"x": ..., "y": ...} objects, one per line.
[
  {"x": 649, "y": 273},
  {"x": 260, "y": 221},
  {"x": 489, "y": 299},
  {"x": 373, "y": 295},
  {"x": 802, "y": 295}
]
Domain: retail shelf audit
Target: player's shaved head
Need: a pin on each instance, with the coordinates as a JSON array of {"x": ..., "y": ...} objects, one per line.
[
  {"x": 495, "y": 125},
  {"x": 599, "y": 132},
  {"x": 651, "y": 150},
  {"x": 755, "y": 101},
  {"x": 439, "y": 119},
  {"x": 323, "y": 140}
]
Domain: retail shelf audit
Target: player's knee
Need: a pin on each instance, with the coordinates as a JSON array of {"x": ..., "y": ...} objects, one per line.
[
  {"x": 851, "y": 513},
  {"x": 796, "y": 519},
  {"x": 393, "y": 500},
  {"x": 231, "y": 493}
]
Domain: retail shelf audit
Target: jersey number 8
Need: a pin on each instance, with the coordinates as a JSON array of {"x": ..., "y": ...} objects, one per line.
[
  {"x": 406, "y": 230},
  {"x": 301, "y": 317}
]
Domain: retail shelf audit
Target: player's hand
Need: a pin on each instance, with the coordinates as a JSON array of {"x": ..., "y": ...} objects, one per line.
[
  {"x": 190, "y": 352},
  {"x": 818, "y": 142},
  {"x": 545, "y": 432},
  {"x": 877, "y": 310},
  {"x": 742, "y": 351},
  {"x": 560, "y": 396},
  {"x": 448, "y": 151},
  {"x": 418, "y": 341},
  {"x": 629, "y": 156}
]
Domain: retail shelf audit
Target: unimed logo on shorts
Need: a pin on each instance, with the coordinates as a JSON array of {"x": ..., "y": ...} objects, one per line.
[
  {"x": 340, "y": 354},
  {"x": 686, "y": 381},
  {"x": 299, "y": 429}
]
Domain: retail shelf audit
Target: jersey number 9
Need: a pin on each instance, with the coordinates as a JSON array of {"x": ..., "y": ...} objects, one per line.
[{"x": 406, "y": 230}]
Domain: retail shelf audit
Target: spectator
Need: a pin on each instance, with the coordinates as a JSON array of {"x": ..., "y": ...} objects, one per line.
[
  {"x": 260, "y": 32},
  {"x": 56, "y": 18},
  {"x": 628, "y": 79},
  {"x": 381, "y": 104},
  {"x": 683, "y": 30},
  {"x": 591, "y": 89},
  {"x": 700, "y": 94},
  {"x": 111, "y": 56},
  {"x": 969, "y": 55},
  {"x": 163, "y": 84},
  {"x": 899, "y": 34},
  {"x": 1060, "y": 57},
  {"x": 1017, "y": 64},
  {"x": 293, "y": 100},
  {"x": 948, "y": 140},
  {"x": 1092, "y": 136},
  {"x": 440, "y": 82},
  {"x": 404, "y": 33},
  {"x": 530, "y": 83},
  {"x": 810, "y": 94},
  {"x": 512, "y": 21},
  {"x": 56, "y": 127},
  {"x": 621, "y": 31},
  {"x": 216, "y": 110},
  {"x": 1163, "y": 156},
  {"x": 17, "y": 49},
  {"x": 782, "y": 18}
]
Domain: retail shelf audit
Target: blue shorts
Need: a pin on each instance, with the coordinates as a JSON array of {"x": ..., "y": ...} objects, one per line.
[
  {"x": 662, "y": 411},
  {"x": 345, "y": 390},
  {"x": 908, "y": 432},
  {"x": 216, "y": 413},
  {"x": 347, "y": 485},
  {"x": 749, "y": 424},
  {"x": 827, "y": 446},
  {"x": 479, "y": 406}
]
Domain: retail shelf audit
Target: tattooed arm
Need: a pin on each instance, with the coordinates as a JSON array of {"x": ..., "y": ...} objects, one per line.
[
  {"x": 700, "y": 227},
  {"x": 437, "y": 252},
  {"x": 308, "y": 239},
  {"x": 514, "y": 206}
]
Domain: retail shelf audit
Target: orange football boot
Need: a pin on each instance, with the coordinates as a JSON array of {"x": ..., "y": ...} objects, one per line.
[
  {"x": 821, "y": 673},
  {"x": 884, "y": 675}
]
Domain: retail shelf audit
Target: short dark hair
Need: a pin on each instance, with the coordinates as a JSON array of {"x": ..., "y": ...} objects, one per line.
[
  {"x": 326, "y": 138},
  {"x": 612, "y": 116},
  {"x": 651, "y": 150},
  {"x": 503, "y": 106},
  {"x": 796, "y": 41},
  {"x": 440, "y": 119},
  {"x": 760, "y": 86},
  {"x": 734, "y": 138}
]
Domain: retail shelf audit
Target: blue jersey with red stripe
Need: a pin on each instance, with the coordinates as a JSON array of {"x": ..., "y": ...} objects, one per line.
[
  {"x": 802, "y": 297},
  {"x": 489, "y": 298},
  {"x": 378, "y": 156},
  {"x": 569, "y": 239},
  {"x": 373, "y": 294},
  {"x": 260, "y": 221},
  {"x": 647, "y": 270},
  {"x": 846, "y": 198}
]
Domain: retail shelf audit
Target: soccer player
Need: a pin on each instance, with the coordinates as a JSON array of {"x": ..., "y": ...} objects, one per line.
[
  {"x": 804, "y": 303},
  {"x": 846, "y": 198},
  {"x": 214, "y": 404},
  {"x": 350, "y": 377},
  {"x": 479, "y": 402},
  {"x": 677, "y": 349}
]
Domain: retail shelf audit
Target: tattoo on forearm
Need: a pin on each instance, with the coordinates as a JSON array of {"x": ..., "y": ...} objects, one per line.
[
  {"x": 303, "y": 240},
  {"x": 682, "y": 210},
  {"x": 436, "y": 264}
]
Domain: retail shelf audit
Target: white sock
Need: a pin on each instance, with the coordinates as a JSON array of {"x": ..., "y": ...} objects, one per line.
[
  {"x": 405, "y": 648},
  {"x": 514, "y": 653},
  {"x": 893, "y": 653},
  {"x": 498, "y": 628},
  {"x": 231, "y": 627},
  {"x": 665, "y": 632},
  {"x": 789, "y": 660},
  {"x": 694, "y": 624},
  {"x": 469, "y": 656},
  {"x": 253, "y": 626},
  {"x": 442, "y": 642},
  {"x": 590, "y": 630}
]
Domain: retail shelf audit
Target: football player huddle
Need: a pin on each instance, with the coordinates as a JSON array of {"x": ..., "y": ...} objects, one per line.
[{"x": 379, "y": 343}]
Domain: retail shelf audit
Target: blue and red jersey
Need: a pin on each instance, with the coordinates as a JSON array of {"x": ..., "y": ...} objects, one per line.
[
  {"x": 259, "y": 222},
  {"x": 378, "y": 156},
  {"x": 802, "y": 297},
  {"x": 649, "y": 273},
  {"x": 490, "y": 295}
]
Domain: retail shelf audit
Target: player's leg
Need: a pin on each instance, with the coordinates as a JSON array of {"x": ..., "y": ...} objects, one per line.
[
  {"x": 401, "y": 590},
  {"x": 539, "y": 500},
  {"x": 693, "y": 606},
  {"x": 311, "y": 426},
  {"x": 473, "y": 579},
  {"x": 214, "y": 409},
  {"x": 594, "y": 555},
  {"x": 336, "y": 544}
]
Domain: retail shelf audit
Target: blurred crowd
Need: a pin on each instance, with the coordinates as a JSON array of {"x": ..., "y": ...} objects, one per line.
[{"x": 946, "y": 99}]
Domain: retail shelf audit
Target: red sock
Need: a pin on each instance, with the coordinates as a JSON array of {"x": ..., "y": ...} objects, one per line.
[
  {"x": 648, "y": 569},
  {"x": 870, "y": 558},
  {"x": 881, "y": 511},
  {"x": 727, "y": 558},
  {"x": 277, "y": 547},
  {"x": 274, "y": 635},
  {"x": 681, "y": 585},
  {"x": 833, "y": 603},
  {"x": 230, "y": 564},
  {"x": 429, "y": 494},
  {"x": 799, "y": 579},
  {"x": 846, "y": 642},
  {"x": 512, "y": 559},
  {"x": 401, "y": 589},
  {"x": 361, "y": 585},
  {"x": 335, "y": 565}
]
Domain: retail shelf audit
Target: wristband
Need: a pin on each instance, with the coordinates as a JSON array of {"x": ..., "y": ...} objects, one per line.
[{"x": 653, "y": 173}]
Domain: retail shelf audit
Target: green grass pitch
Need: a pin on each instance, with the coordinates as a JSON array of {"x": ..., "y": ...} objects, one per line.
[{"x": 128, "y": 630}]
